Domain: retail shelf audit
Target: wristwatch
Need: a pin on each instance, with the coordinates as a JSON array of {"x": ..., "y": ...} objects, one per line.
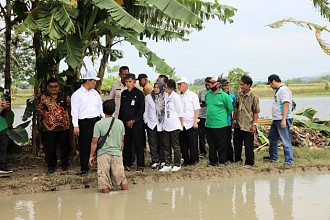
[{"x": 254, "y": 123}]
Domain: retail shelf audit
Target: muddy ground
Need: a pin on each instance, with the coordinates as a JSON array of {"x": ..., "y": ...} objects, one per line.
[{"x": 29, "y": 175}]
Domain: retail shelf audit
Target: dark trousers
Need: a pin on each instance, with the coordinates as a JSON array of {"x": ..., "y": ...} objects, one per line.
[
  {"x": 230, "y": 152},
  {"x": 134, "y": 139},
  {"x": 50, "y": 140},
  {"x": 201, "y": 135},
  {"x": 248, "y": 138},
  {"x": 189, "y": 145},
  {"x": 216, "y": 138},
  {"x": 3, "y": 147},
  {"x": 171, "y": 139},
  {"x": 86, "y": 127},
  {"x": 156, "y": 145}
]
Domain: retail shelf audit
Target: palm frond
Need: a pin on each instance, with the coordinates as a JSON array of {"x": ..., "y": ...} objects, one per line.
[
  {"x": 118, "y": 14},
  {"x": 323, "y": 7},
  {"x": 55, "y": 19},
  {"x": 318, "y": 29},
  {"x": 72, "y": 49},
  {"x": 152, "y": 59},
  {"x": 162, "y": 34}
]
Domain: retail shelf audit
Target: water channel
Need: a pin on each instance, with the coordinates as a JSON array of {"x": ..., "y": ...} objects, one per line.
[{"x": 262, "y": 197}]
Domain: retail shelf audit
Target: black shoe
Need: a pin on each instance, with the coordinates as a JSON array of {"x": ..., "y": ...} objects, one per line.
[
  {"x": 50, "y": 171},
  {"x": 82, "y": 173},
  {"x": 268, "y": 159},
  {"x": 212, "y": 165},
  {"x": 5, "y": 170}
]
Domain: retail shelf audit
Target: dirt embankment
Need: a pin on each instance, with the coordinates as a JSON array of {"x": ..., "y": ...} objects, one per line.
[
  {"x": 32, "y": 178},
  {"x": 29, "y": 174}
]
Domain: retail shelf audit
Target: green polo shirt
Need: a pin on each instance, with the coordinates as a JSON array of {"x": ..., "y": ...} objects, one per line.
[
  {"x": 3, "y": 123},
  {"x": 219, "y": 108}
]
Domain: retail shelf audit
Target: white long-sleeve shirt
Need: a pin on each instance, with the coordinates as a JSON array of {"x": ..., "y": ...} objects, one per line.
[
  {"x": 150, "y": 116},
  {"x": 85, "y": 104},
  {"x": 173, "y": 112}
]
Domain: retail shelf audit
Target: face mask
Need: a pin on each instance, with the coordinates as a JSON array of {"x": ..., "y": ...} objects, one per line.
[{"x": 214, "y": 88}]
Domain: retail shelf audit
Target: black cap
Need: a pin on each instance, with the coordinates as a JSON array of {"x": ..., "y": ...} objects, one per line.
[
  {"x": 130, "y": 76},
  {"x": 273, "y": 77},
  {"x": 207, "y": 79},
  {"x": 142, "y": 76},
  {"x": 223, "y": 81}
]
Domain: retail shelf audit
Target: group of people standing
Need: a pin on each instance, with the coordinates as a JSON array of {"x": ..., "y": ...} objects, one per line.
[{"x": 174, "y": 121}]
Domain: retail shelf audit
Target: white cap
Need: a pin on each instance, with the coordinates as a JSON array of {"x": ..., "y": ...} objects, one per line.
[
  {"x": 182, "y": 79},
  {"x": 214, "y": 79},
  {"x": 89, "y": 75}
]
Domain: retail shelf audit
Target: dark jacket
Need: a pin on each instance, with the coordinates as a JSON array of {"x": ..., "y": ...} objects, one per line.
[{"x": 132, "y": 107}]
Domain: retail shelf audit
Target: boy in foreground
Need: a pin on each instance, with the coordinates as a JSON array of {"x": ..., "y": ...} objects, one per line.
[{"x": 110, "y": 168}]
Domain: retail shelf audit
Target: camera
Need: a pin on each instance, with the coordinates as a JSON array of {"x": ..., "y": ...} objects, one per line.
[{"x": 6, "y": 95}]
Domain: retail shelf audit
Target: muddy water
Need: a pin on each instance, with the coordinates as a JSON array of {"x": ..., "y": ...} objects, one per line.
[{"x": 287, "y": 197}]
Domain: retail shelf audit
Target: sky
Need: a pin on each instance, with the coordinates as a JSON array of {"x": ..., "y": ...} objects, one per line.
[{"x": 246, "y": 43}]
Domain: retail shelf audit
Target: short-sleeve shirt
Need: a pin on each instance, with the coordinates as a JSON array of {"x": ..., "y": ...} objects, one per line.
[
  {"x": 201, "y": 97},
  {"x": 115, "y": 93},
  {"x": 246, "y": 105},
  {"x": 219, "y": 108},
  {"x": 113, "y": 143},
  {"x": 233, "y": 98},
  {"x": 282, "y": 94},
  {"x": 190, "y": 103}
]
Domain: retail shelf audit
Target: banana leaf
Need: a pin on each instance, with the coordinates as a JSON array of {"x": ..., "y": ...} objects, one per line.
[
  {"x": 19, "y": 134},
  {"x": 30, "y": 108}
]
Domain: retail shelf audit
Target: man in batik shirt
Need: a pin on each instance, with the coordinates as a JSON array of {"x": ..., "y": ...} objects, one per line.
[{"x": 54, "y": 110}]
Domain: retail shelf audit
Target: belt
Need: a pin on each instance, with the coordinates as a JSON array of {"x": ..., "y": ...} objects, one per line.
[{"x": 90, "y": 119}]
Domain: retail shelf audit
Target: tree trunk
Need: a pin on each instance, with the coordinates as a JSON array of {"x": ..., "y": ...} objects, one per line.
[
  {"x": 7, "y": 15},
  {"x": 36, "y": 138},
  {"x": 104, "y": 60}
]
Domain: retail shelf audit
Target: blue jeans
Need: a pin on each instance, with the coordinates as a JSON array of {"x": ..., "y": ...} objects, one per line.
[{"x": 275, "y": 133}]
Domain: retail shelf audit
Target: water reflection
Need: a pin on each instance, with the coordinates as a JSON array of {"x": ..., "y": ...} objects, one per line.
[{"x": 286, "y": 197}]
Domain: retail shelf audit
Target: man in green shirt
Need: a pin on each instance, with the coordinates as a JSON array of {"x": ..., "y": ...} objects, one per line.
[
  {"x": 110, "y": 168},
  {"x": 3, "y": 138},
  {"x": 219, "y": 108}
]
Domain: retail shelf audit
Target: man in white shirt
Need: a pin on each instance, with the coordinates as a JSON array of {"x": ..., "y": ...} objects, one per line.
[
  {"x": 86, "y": 109},
  {"x": 189, "y": 135},
  {"x": 117, "y": 88}
]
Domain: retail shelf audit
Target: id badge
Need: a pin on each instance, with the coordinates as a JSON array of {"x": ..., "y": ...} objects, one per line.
[
  {"x": 133, "y": 102},
  {"x": 168, "y": 114}
]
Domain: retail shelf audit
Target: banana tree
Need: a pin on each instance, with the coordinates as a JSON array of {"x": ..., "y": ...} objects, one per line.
[
  {"x": 72, "y": 30},
  {"x": 323, "y": 7}
]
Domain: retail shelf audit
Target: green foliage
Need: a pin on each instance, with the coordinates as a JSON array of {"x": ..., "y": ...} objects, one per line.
[
  {"x": 327, "y": 87},
  {"x": 19, "y": 134},
  {"x": 313, "y": 123},
  {"x": 73, "y": 50},
  {"x": 22, "y": 57},
  {"x": 107, "y": 82},
  {"x": 234, "y": 77},
  {"x": 118, "y": 14}
]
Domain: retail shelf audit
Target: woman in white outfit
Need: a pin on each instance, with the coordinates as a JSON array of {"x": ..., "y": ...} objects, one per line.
[{"x": 153, "y": 116}]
